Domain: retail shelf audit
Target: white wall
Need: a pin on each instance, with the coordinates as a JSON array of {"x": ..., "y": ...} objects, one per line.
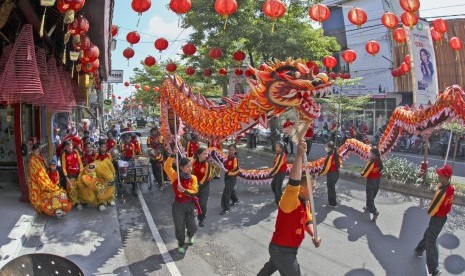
[{"x": 375, "y": 71}]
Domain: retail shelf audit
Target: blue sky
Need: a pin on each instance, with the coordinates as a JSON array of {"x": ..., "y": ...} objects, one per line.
[{"x": 159, "y": 21}]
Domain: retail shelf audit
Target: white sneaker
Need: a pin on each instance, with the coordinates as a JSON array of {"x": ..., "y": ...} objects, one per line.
[
  {"x": 79, "y": 206},
  {"x": 112, "y": 203},
  {"x": 59, "y": 213},
  {"x": 102, "y": 207}
]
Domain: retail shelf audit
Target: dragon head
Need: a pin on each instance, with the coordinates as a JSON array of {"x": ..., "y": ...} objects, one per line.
[{"x": 290, "y": 83}]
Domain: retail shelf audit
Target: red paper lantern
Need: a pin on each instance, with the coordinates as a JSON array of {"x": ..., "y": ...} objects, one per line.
[
  {"x": 207, "y": 72},
  {"x": 62, "y": 7},
  {"x": 249, "y": 73},
  {"x": 161, "y": 44},
  {"x": 150, "y": 61},
  {"x": 372, "y": 47},
  {"x": 456, "y": 44},
  {"x": 409, "y": 19},
  {"x": 274, "y": 9},
  {"x": 399, "y": 35},
  {"x": 223, "y": 72},
  {"x": 171, "y": 67},
  {"x": 90, "y": 54},
  {"x": 435, "y": 35},
  {"x": 119, "y": 97},
  {"x": 189, "y": 49},
  {"x": 180, "y": 6},
  {"x": 189, "y": 71},
  {"x": 390, "y": 20},
  {"x": 146, "y": 88},
  {"x": 81, "y": 42},
  {"x": 394, "y": 72},
  {"x": 263, "y": 67},
  {"x": 239, "y": 56},
  {"x": 332, "y": 75},
  {"x": 114, "y": 30},
  {"x": 156, "y": 88},
  {"x": 133, "y": 37},
  {"x": 128, "y": 53},
  {"x": 79, "y": 26},
  {"x": 410, "y": 6},
  {"x": 440, "y": 25},
  {"x": 75, "y": 5},
  {"x": 349, "y": 56},
  {"x": 137, "y": 86},
  {"x": 141, "y": 6},
  {"x": 91, "y": 66},
  {"x": 330, "y": 62},
  {"x": 357, "y": 16},
  {"x": 404, "y": 67},
  {"x": 238, "y": 72},
  {"x": 126, "y": 83},
  {"x": 319, "y": 12},
  {"x": 225, "y": 8},
  {"x": 407, "y": 59},
  {"x": 215, "y": 53},
  {"x": 312, "y": 64}
]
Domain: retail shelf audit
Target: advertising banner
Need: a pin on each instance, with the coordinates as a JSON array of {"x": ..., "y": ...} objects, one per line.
[
  {"x": 237, "y": 83},
  {"x": 425, "y": 86}
]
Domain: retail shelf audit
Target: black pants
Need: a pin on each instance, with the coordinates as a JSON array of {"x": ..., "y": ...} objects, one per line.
[
  {"x": 331, "y": 180},
  {"x": 184, "y": 218},
  {"x": 428, "y": 242},
  {"x": 309, "y": 145},
  {"x": 288, "y": 141},
  {"x": 157, "y": 171},
  {"x": 229, "y": 194},
  {"x": 372, "y": 189},
  {"x": 282, "y": 259},
  {"x": 277, "y": 185},
  {"x": 204, "y": 191}
]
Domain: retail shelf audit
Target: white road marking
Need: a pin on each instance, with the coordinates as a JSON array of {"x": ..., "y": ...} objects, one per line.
[{"x": 158, "y": 239}]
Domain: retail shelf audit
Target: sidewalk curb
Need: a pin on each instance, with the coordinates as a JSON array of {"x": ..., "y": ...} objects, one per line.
[
  {"x": 18, "y": 236},
  {"x": 386, "y": 184}
]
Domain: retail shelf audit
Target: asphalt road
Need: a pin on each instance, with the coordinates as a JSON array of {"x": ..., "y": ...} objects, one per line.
[{"x": 237, "y": 243}]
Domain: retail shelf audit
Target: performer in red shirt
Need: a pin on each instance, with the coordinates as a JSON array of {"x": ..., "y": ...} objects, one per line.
[
  {"x": 192, "y": 146},
  {"x": 293, "y": 220},
  {"x": 155, "y": 138},
  {"x": 135, "y": 143},
  {"x": 102, "y": 153},
  {"x": 279, "y": 171},
  {"x": 183, "y": 208},
  {"x": 287, "y": 138},
  {"x": 331, "y": 169},
  {"x": 372, "y": 172},
  {"x": 128, "y": 149},
  {"x": 204, "y": 173},
  {"x": 89, "y": 155},
  {"x": 111, "y": 142},
  {"x": 53, "y": 173},
  {"x": 438, "y": 209},
  {"x": 309, "y": 137},
  {"x": 232, "y": 169},
  {"x": 72, "y": 166}
]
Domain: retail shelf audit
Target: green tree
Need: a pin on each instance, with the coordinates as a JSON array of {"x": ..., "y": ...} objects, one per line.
[
  {"x": 341, "y": 106},
  {"x": 457, "y": 129}
]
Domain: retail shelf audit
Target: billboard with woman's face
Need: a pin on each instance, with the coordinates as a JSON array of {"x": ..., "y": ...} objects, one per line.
[{"x": 237, "y": 83}]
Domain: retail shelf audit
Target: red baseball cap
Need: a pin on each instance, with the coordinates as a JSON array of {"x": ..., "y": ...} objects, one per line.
[{"x": 445, "y": 171}]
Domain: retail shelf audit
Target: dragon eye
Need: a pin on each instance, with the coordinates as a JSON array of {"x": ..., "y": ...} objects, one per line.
[{"x": 297, "y": 74}]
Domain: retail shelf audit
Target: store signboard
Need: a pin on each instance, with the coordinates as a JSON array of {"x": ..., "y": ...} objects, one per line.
[{"x": 116, "y": 76}]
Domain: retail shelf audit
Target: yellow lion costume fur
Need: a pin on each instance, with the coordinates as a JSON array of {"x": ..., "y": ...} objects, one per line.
[{"x": 95, "y": 184}]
